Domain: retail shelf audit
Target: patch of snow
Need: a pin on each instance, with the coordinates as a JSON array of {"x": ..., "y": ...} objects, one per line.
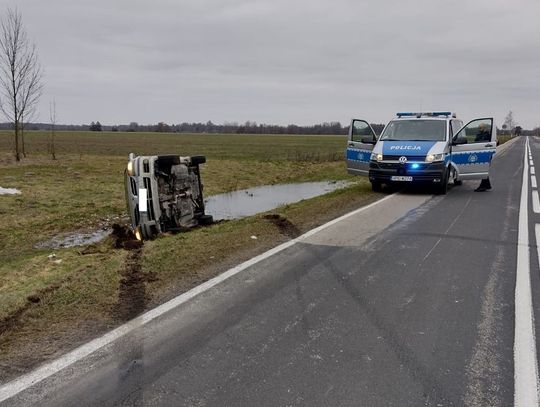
[{"x": 9, "y": 191}]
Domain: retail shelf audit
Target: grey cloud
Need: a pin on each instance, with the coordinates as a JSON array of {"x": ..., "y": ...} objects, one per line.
[{"x": 286, "y": 61}]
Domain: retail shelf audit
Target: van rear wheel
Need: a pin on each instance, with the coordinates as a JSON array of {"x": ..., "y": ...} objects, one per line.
[{"x": 205, "y": 220}]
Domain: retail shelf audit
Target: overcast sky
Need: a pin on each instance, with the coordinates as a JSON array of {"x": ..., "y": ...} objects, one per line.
[{"x": 284, "y": 61}]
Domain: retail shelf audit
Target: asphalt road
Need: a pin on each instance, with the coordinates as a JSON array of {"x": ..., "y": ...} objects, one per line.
[{"x": 410, "y": 302}]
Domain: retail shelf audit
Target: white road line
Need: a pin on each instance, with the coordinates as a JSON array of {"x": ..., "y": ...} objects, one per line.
[
  {"x": 532, "y": 170},
  {"x": 525, "y": 362},
  {"x": 26, "y": 381},
  {"x": 533, "y": 181},
  {"x": 531, "y": 163},
  {"x": 535, "y": 202}
]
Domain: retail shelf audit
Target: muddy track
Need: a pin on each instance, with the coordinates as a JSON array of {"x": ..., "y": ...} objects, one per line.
[
  {"x": 132, "y": 295},
  {"x": 285, "y": 226}
]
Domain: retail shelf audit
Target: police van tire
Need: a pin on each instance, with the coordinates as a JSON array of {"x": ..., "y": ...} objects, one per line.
[
  {"x": 376, "y": 186},
  {"x": 442, "y": 189}
]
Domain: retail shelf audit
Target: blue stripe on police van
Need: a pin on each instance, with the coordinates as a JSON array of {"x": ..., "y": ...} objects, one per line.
[
  {"x": 472, "y": 157},
  {"x": 356, "y": 154},
  {"x": 407, "y": 148}
]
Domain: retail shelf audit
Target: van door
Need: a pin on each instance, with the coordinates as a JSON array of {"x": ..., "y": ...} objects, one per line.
[
  {"x": 361, "y": 141},
  {"x": 473, "y": 148}
]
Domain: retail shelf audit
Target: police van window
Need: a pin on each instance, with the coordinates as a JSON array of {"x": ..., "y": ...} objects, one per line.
[
  {"x": 456, "y": 125},
  {"x": 477, "y": 131},
  {"x": 361, "y": 129},
  {"x": 415, "y": 130}
]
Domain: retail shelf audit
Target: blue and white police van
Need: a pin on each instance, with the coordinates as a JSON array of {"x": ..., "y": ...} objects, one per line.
[{"x": 431, "y": 148}]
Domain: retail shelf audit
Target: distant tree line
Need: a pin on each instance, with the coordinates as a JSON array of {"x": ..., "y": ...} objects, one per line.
[{"x": 326, "y": 128}]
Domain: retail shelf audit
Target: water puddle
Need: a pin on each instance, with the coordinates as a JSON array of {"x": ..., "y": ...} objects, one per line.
[
  {"x": 76, "y": 239},
  {"x": 248, "y": 202},
  {"x": 9, "y": 191}
]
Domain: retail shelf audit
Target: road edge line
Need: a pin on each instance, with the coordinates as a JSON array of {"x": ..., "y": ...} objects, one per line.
[
  {"x": 24, "y": 382},
  {"x": 525, "y": 360}
]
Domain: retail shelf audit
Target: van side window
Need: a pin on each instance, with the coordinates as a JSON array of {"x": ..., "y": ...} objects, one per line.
[
  {"x": 361, "y": 129},
  {"x": 456, "y": 125}
]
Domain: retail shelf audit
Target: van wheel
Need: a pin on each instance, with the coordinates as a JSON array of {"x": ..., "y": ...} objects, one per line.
[
  {"x": 205, "y": 220},
  {"x": 458, "y": 182},
  {"x": 376, "y": 186},
  {"x": 198, "y": 159},
  {"x": 442, "y": 189}
]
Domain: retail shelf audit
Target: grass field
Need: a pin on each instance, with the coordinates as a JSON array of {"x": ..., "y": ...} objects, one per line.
[{"x": 47, "y": 304}]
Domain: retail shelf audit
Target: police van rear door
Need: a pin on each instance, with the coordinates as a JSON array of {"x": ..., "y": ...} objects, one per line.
[
  {"x": 362, "y": 139},
  {"x": 473, "y": 148}
]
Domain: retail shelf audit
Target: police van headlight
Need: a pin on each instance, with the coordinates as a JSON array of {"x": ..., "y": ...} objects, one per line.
[
  {"x": 376, "y": 157},
  {"x": 432, "y": 158}
]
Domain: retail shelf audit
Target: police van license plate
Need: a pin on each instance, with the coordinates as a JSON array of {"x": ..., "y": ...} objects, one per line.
[{"x": 400, "y": 178}]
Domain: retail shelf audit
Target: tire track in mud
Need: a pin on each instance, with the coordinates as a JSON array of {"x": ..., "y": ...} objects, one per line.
[
  {"x": 132, "y": 295},
  {"x": 285, "y": 226}
]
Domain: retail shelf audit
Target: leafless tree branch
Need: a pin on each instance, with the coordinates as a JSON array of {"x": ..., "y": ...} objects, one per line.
[{"x": 20, "y": 73}]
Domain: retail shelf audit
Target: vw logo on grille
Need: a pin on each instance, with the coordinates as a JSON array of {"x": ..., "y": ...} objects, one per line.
[{"x": 402, "y": 159}]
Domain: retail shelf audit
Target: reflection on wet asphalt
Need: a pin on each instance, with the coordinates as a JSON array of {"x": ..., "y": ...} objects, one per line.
[{"x": 247, "y": 202}]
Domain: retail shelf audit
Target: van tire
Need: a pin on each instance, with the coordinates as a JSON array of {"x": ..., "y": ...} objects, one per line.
[
  {"x": 376, "y": 186},
  {"x": 198, "y": 159},
  {"x": 205, "y": 220},
  {"x": 442, "y": 189}
]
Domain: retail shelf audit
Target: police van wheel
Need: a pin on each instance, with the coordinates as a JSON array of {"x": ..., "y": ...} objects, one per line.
[
  {"x": 376, "y": 186},
  {"x": 442, "y": 189}
]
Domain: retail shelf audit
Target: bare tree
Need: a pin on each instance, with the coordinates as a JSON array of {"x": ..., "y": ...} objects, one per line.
[
  {"x": 20, "y": 73},
  {"x": 509, "y": 122},
  {"x": 52, "y": 112}
]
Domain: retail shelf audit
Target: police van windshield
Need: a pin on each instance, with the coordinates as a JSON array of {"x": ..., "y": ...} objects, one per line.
[{"x": 415, "y": 130}]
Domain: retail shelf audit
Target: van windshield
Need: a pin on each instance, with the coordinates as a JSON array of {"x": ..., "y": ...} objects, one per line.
[{"x": 415, "y": 130}]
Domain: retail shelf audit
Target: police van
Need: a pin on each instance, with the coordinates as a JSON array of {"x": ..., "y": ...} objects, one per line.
[{"x": 432, "y": 148}]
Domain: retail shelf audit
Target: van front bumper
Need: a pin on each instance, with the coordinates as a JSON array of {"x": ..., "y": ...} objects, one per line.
[{"x": 425, "y": 173}]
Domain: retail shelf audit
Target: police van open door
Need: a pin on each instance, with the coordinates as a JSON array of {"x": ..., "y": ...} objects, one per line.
[
  {"x": 361, "y": 141},
  {"x": 473, "y": 148}
]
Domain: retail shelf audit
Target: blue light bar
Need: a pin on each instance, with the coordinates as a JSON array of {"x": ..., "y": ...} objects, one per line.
[
  {"x": 428, "y": 114},
  {"x": 415, "y": 166}
]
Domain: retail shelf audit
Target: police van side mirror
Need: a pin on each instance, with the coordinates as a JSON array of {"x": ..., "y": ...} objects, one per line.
[
  {"x": 369, "y": 140},
  {"x": 459, "y": 140}
]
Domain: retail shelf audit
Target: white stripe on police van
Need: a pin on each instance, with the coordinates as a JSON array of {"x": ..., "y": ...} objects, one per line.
[
  {"x": 533, "y": 181},
  {"x": 525, "y": 362}
]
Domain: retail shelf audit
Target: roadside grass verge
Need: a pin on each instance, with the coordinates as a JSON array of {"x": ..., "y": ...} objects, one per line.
[{"x": 504, "y": 139}]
